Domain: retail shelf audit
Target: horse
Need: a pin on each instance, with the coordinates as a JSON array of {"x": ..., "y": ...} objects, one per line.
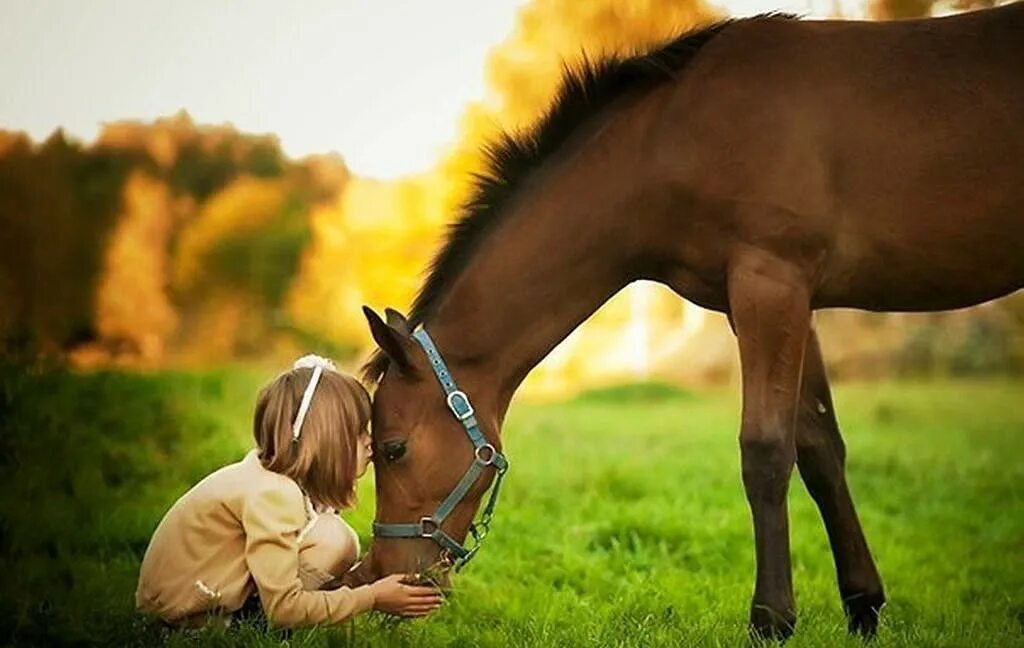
[{"x": 764, "y": 168}]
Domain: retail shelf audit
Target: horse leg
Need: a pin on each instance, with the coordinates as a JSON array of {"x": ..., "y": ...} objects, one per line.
[
  {"x": 769, "y": 307},
  {"x": 821, "y": 458}
]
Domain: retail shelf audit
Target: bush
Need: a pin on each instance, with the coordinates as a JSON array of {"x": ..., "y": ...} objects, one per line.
[{"x": 90, "y": 462}]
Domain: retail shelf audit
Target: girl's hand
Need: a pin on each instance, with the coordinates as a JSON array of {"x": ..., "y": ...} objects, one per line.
[{"x": 395, "y": 597}]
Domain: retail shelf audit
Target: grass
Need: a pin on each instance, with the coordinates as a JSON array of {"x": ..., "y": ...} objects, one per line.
[{"x": 623, "y": 521}]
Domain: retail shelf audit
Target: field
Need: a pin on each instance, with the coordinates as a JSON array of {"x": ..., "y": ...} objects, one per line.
[{"x": 623, "y": 523}]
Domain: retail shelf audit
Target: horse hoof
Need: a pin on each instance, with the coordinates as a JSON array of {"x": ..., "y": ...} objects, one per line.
[
  {"x": 862, "y": 612},
  {"x": 767, "y": 623}
]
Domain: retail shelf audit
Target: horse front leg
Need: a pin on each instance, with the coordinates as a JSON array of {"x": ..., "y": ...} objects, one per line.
[
  {"x": 821, "y": 458},
  {"x": 769, "y": 307}
]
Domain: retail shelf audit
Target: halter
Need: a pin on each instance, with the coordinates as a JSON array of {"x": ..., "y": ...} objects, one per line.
[{"x": 484, "y": 455}]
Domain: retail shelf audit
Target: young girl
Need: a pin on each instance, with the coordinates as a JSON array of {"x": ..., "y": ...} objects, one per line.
[{"x": 266, "y": 525}]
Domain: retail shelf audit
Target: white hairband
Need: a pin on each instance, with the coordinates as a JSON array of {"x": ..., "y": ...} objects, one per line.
[{"x": 317, "y": 364}]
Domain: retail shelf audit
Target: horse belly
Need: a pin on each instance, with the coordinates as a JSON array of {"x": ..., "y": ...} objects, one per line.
[
  {"x": 936, "y": 242},
  {"x": 924, "y": 174},
  {"x": 939, "y": 275},
  {"x": 935, "y": 218}
]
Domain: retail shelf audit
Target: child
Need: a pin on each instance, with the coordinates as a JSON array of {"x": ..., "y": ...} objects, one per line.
[{"x": 266, "y": 524}]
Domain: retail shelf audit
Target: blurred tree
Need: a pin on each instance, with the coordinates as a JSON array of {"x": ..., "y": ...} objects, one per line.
[
  {"x": 133, "y": 307},
  {"x": 264, "y": 160},
  {"x": 58, "y": 206},
  {"x": 901, "y": 9},
  {"x": 200, "y": 173},
  {"x": 91, "y": 238},
  {"x": 238, "y": 254},
  {"x": 895, "y": 9},
  {"x": 368, "y": 247}
]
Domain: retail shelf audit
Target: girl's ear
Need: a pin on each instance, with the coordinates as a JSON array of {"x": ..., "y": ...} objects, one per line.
[{"x": 396, "y": 344}]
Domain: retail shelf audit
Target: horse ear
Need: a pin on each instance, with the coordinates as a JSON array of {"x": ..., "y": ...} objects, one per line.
[
  {"x": 397, "y": 321},
  {"x": 393, "y": 342}
]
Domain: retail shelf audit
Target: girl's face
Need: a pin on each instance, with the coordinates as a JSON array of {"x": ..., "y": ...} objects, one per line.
[{"x": 364, "y": 453}]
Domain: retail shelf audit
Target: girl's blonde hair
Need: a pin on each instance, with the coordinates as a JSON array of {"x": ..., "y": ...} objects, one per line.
[{"x": 322, "y": 461}]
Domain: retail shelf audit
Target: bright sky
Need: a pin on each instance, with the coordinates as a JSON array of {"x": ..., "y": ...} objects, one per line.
[{"x": 382, "y": 82}]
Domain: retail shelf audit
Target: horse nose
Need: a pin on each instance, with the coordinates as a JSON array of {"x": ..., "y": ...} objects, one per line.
[{"x": 439, "y": 578}]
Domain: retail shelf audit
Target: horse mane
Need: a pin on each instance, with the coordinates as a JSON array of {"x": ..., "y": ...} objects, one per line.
[{"x": 585, "y": 90}]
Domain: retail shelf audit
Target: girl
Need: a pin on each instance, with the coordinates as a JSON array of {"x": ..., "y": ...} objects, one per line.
[{"x": 266, "y": 525}]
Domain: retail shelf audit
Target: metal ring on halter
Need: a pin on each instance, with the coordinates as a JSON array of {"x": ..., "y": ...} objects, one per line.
[
  {"x": 428, "y": 522},
  {"x": 489, "y": 461}
]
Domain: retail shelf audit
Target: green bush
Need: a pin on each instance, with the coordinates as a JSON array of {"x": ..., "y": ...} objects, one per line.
[{"x": 87, "y": 459}]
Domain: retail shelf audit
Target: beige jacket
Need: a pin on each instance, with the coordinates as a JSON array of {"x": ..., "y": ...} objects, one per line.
[{"x": 236, "y": 531}]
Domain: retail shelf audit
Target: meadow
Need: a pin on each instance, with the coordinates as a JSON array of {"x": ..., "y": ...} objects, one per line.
[{"x": 623, "y": 523}]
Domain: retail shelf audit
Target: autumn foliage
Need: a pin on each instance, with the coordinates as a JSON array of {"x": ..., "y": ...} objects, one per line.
[
  {"x": 173, "y": 242},
  {"x": 156, "y": 239}
]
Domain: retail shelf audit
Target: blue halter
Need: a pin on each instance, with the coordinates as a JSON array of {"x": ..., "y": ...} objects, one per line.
[{"x": 484, "y": 455}]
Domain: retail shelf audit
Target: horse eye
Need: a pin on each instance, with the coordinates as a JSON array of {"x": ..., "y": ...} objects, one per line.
[{"x": 393, "y": 450}]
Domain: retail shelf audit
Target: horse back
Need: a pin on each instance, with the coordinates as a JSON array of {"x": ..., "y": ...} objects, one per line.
[{"x": 889, "y": 156}]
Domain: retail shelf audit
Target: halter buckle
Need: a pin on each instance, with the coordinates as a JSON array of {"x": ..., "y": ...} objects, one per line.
[{"x": 459, "y": 404}]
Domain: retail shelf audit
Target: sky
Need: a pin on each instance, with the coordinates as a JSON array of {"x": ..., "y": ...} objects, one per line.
[{"x": 382, "y": 82}]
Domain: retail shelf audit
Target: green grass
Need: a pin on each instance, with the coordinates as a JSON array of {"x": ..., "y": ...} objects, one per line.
[{"x": 623, "y": 522}]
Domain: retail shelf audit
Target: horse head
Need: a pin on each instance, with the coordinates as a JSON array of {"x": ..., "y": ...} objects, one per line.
[{"x": 434, "y": 458}]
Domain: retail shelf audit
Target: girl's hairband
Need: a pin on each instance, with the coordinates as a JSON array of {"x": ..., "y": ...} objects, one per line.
[{"x": 317, "y": 364}]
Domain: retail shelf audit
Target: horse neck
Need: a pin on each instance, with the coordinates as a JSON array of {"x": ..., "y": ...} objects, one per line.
[{"x": 570, "y": 243}]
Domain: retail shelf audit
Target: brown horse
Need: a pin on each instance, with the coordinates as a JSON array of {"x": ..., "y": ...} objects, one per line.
[{"x": 763, "y": 168}]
